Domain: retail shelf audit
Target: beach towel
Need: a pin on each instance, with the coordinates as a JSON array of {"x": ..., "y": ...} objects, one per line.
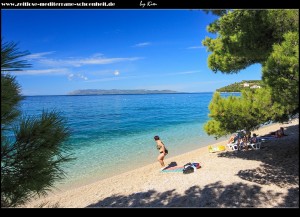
[
  {"x": 216, "y": 149},
  {"x": 174, "y": 169},
  {"x": 179, "y": 169}
]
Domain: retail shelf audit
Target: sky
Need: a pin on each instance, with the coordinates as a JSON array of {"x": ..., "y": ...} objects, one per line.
[{"x": 115, "y": 49}]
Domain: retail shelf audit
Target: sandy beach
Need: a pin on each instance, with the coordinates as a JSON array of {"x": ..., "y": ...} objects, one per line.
[{"x": 268, "y": 177}]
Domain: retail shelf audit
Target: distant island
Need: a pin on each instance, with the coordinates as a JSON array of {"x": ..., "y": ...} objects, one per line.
[
  {"x": 116, "y": 91},
  {"x": 238, "y": 86}
]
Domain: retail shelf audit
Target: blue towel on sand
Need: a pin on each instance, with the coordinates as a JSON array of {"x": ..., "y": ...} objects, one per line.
[{"x": 175, "y": 169}]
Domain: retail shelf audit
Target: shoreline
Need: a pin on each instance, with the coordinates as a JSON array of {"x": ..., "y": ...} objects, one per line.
[
  {"x": 148, "y": 178},
  {"x": 63, "y": 187}
]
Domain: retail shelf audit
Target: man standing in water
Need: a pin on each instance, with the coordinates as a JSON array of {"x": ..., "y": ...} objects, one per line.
[{"x": 162, "y": 151}]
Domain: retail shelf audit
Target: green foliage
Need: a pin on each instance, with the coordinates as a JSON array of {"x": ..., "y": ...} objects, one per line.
[
  {"x": 11, "y": 57},
  {"x": 246, "y": 37},
  {"x": 281, "y": 72},
  {"x": 248, "y": 112},
  {"x": 10, "y": 94},
  {"x": 267, "y": 37},
  {"x": 239, "y": 86},
  {"x": 31, "y": 164},
  {"x": 32, "y": 148}
]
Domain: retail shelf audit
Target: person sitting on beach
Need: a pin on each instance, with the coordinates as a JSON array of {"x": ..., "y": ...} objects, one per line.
[
  {"x": 241, "y": 139},
  {"x": 254, "y": 139},
  {"x": 248, "y": 136},
  {"x": 232, "y": 138},
  {"x": 281, "y": 132},
  {"x": 278, "y": 133},
  {"x": 238, "y": 138},
  {"x": 244, "y": 143},
  {"x": 162, "y": 151}
]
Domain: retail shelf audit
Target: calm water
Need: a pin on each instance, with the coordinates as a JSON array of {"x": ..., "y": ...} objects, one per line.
[{"x": 112, "y": 134}]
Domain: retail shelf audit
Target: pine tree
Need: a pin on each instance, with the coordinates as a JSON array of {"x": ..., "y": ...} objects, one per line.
[
  {"x": 247, "y": 112},
  {"x": 33, "y": 149},
  {"x": 266, "y": 37}
]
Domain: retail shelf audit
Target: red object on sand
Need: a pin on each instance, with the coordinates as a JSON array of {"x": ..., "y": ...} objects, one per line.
[{"x": 197, "y": 165}]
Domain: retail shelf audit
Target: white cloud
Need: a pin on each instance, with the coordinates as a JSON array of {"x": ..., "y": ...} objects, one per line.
[
  {"x": 98, "y": 55},
  {"x": 102, "y": 72},
  {"x": 38, "y": 55},
  {"x": 196, "y": 47},
  {"x": 70, "y": 76},
  {"x": 105, "y": 79},
  {"x": 86, "y": 61},
  {"x": 115, "y": 78},
  {"x": 143, "y": 44},
  {"x": 82, "y": 77},
  {"x": 42, "y": 71},
  {"x": 95, "y": 59},
  {"x": 78, "y": 76}
]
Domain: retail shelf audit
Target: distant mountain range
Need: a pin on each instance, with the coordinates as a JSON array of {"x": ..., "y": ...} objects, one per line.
[{"x": 115, "y": 91}]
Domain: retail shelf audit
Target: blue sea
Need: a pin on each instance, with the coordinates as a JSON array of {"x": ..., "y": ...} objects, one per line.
[{"x": 112, "y": 134}]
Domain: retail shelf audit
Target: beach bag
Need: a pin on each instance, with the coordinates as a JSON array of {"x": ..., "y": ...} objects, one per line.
[
  {"x": 197, "y": 165},
  {"x": 188, "y": 168}
]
